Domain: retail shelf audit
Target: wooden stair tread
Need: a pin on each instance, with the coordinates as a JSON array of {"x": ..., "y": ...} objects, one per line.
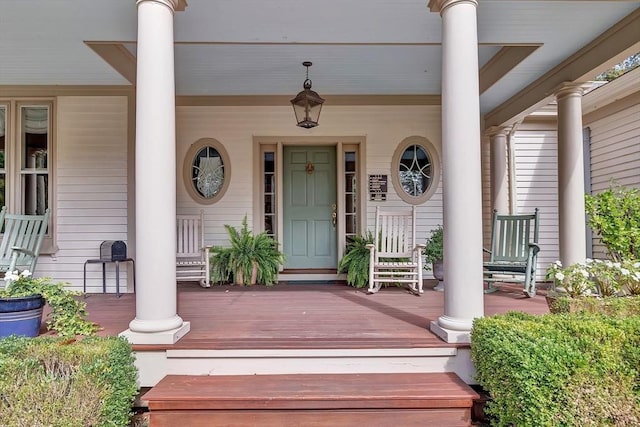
[
  {"x": 311, "y": 391},
  {"x": 299, "y": 344}
]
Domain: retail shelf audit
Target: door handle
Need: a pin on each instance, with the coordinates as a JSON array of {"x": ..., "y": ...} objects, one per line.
[{"x": 334, "y": 215}]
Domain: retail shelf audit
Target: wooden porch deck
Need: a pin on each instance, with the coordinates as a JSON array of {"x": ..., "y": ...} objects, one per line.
[
  {"x": 326, "y": 355},
  {"x": 303, "y": 316}
]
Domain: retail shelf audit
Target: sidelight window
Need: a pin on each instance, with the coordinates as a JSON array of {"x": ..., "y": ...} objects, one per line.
[
  {"x": 350, "y": 194},
  {"x": 269, "y": 191}
]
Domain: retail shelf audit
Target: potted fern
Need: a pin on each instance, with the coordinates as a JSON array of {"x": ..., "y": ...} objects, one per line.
[
  {"x": 251, "y": 258},
  {"x": 355, "y": 261}
]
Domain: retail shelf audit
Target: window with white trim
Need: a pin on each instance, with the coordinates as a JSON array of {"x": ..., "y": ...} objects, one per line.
[{"x": 26, "y": 129}]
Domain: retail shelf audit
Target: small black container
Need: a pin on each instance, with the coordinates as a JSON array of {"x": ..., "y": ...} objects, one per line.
[{"x": 113, "y": 250}]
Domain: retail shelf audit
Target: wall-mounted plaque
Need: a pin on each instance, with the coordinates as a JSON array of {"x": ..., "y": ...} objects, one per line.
[{"x": 378, "y": 187}]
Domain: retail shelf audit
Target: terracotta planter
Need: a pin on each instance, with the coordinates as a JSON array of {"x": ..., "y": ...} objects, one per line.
[
  {"x": 438, "y": 273},
  {"x": 21, "y": 315},
  {"x": 239, "y": 277}
]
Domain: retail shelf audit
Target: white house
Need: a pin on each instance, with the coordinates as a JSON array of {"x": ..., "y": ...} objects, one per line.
[
  {"x": 113, "y": 104},
  {"x": 611, "y": 141}
]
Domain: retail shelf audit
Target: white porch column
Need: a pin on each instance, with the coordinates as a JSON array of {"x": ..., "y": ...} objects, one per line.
[
  {"x": 499, "y": 171},
  {"x": 461, "y": 147},
  {"x": 571, "y": 191},
  {"x": 156, "y": 320}
]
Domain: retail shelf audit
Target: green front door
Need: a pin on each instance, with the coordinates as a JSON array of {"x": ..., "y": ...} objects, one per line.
[{"x": 309, "y": 205}]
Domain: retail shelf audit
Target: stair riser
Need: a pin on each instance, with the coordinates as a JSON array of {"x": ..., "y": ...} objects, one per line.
[
  {"x": 455, "y": 417},
  {"x": 153, "y": 366}
]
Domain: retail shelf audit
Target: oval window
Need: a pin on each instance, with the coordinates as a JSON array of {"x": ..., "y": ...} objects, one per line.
[
  {"x": 206, "y": 170},
  {"x": 415, "y": 170}
]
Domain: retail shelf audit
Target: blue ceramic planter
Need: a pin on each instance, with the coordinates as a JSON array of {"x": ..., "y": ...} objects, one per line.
[{"x": 21, "y": 315}]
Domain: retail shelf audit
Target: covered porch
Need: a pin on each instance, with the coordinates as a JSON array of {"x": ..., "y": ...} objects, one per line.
[{"x": 310, "y": 328}]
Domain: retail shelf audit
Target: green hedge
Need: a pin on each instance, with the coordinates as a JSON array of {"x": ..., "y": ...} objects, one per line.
[
  {"x": 49, "y": 381},
  {"x": 611, "y": 306},
  {"x": 559, "y": 370}
]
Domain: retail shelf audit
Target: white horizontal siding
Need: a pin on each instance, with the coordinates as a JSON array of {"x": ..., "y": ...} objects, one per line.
[
  {"x": 384, "y": 128},
  {"x": 91, "y": 168},
  {"x": 382, "y": 141},
  {"x": 91, "y": 172},
  {"x": 536, "y": 168},
  {"x": 615, "y": 155},
  {"x": 91, "y": 188}
]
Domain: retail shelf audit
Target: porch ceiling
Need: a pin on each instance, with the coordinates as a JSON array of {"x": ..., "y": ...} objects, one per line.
[{"x": 256, "y": 47}]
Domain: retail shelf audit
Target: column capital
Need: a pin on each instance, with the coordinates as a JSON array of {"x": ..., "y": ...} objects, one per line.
[
  {"x": 495, "y": 131},
  {"x": 174, "y": 5},
  {"x": 571, "y": 88},
  {"x": 440, "y": 5}
]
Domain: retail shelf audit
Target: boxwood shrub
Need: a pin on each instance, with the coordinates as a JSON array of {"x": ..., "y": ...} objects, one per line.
[
  {"x": 559, "y": 370},
  {"x": 49, "y": 381},
  {"x": 611, "y": 306}
]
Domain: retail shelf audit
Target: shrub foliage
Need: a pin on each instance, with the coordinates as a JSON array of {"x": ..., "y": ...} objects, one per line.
[
  {"x": 434, "y": 247},
  {"x": 559, "y": 370},
  {"x": 614, "y": 215},
  {"x": 54, "y": 382},
  {"x": 615, "y": 306}
]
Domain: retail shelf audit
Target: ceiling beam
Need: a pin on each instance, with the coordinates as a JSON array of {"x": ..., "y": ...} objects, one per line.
[
  {"x": 502, "y": 62},
  {"x": 284, "y": 100},
  {"x": 118, "y": 56},
  {"x": 43, "y": 91}
]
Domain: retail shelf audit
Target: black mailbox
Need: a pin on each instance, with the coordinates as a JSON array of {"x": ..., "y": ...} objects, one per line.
[{"x": 114, "y": 250}]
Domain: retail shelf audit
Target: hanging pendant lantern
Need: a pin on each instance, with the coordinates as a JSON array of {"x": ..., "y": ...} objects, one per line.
[{"x": 307, "y": 104}]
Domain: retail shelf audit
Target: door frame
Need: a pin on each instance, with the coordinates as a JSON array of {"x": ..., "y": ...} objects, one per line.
[{"x": 342, "y": 144}]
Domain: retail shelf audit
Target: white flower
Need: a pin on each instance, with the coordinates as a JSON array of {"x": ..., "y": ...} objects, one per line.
[
  {"x": 624, "y": 272},
  {"x": 559, "y": 264},
  {"x": 11, "y": 276},
  {"x": 608, "y": 263},
  {"x": 25, "y": 273},
  {"x": 584, "y": 273},
  {"x": 588, "y": 261},
  {"x": 636, "y": 265},
  {"x": 559, "y": 276},
  {"x": 616, "y": 264}
]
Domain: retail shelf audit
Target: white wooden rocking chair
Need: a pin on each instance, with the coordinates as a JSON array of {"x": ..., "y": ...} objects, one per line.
[
  {"x": 395, "y": 257},
  {"x": 192, "y": 256}
]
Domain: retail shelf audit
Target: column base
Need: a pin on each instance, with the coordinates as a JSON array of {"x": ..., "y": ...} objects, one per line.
[
  {"x": 164, "y": 337},
  {"x": 449, "y": 335}
]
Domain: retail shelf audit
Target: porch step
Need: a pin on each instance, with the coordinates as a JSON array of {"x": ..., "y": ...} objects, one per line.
[{"x": 398, "y": 399}]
